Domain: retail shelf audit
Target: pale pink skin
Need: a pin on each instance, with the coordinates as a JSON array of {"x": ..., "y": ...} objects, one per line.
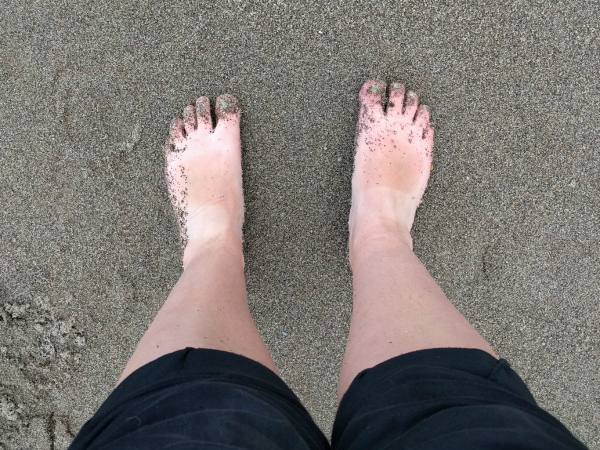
[
  {"x": 397, "y": 308},
  {"x": 204, "y": 171},
  {"x": 207, "y": 308},
  {"x": 394, "y": 153}
]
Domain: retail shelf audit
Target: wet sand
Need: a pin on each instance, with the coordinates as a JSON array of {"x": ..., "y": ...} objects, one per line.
[{"x": 89, "y": 248}]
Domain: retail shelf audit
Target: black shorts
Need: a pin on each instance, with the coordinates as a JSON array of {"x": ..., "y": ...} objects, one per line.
[{"x": 431, "y": 399}]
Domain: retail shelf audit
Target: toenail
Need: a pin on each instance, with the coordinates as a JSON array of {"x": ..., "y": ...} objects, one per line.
[
  {"x": 396, "y": 85},
  {"x": 224, "y": 103},
  {"x": 425, "y": 107},
  {"x": 375, "y": 89},
  {"x": 412, "y": 94}
]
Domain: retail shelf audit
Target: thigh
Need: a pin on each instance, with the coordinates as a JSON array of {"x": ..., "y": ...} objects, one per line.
[
  {"x": 445, "y": 399},
  {"x": 199, "y": 398}
]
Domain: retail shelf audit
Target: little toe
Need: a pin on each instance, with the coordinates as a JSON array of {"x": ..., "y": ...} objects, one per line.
[
  {"x": 396, "y": 99},
  {"x": 371, "y": 99},
  {"x": 190, "y": 121},
  {"x": 422, "y": 117},
  {"x": 177, "y": 131},
  {"x": 203, "y": 117},
  {"x": 428, "y": 135},
  {"x": 410, "y": 107},
  {"x": 228, "y": 112},
  {"x": 168, "y": 147}
]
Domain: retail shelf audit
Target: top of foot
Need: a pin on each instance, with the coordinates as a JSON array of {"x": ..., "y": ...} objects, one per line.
[
  {"x": 394, "y": 151},
  {"x": 204, "y": 172}
]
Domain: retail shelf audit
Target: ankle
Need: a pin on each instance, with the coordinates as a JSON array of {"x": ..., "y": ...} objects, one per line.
[
  {"x": 377, "y": 238},
  {"x": 225, "y": 242},
  {"x": 380, "y": 218}
]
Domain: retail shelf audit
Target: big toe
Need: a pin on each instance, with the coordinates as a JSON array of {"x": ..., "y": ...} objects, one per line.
[
  {"x": 228, "y": 112},
  {"x": 371, "y": 100}
]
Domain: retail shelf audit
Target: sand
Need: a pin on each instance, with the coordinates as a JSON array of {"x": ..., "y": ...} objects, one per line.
[{"x": 509, "y": 226}]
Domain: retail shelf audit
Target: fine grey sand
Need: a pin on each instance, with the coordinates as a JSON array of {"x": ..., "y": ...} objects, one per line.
[{"x": 509, "y": 226}]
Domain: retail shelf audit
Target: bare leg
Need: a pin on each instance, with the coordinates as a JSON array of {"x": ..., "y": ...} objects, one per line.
[
  {"x": 398, "y": 307},
  {"x": 207, "y": 307}
]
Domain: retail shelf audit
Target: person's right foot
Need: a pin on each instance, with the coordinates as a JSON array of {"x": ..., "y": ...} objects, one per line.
[
  {"x": 204, "y": 175},
  {"x": 394, "y": 151}
]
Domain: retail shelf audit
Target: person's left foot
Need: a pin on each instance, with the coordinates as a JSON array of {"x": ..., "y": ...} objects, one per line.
[
  {"x": 394, "y": 151},
  {"x": 204, "y": 173}
]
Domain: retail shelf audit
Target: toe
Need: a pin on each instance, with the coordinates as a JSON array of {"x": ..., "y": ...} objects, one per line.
[
  {"x": 422, "y": 117},
  {"x": 371, "y": 99},
  {"x": 396, "y": 100},
  {"x": 176, "y": 133},
  {"x": 168, "y": 147},
  {"x": 228, "y": 112},
  {"x": 428, "y": 138},
  {"x": 203, "y": 118},
  {"x": 189, "y": 119},
  {"x": 410, "y": 107}
]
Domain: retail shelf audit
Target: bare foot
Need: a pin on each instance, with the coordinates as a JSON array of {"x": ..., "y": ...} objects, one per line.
[
  {"x": 204, "y": 174},
  {"x": 394, "y": 150}
]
